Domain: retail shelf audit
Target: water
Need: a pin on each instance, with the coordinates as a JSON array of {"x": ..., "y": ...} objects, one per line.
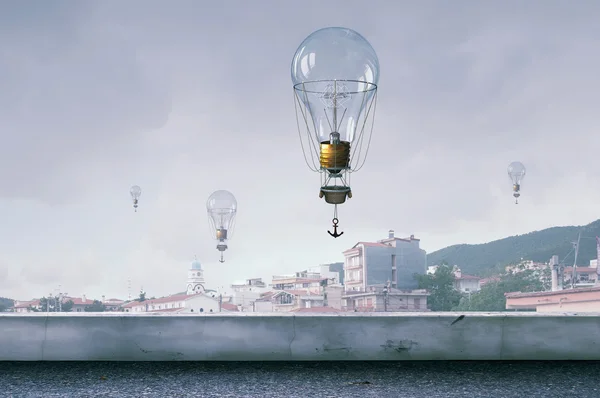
[{"x": 299, "y": 379}]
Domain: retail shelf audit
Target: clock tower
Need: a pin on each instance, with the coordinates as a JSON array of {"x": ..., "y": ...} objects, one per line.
[{"x": 195, "y": 282}]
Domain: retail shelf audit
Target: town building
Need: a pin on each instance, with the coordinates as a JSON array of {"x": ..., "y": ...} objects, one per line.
[
  {"x": 318, "y": 287},
  {"x": 384, "y": 298},
  {"x": 112, "y": 304},
  {"x": 374, "y": 263},
  {"x": 462, "y": 282},
  {"x": 196, "y": 299},
  {"x": 195, "y": 282},
  {"x": 568, "y": 300},
  {"x": 26, "y": 306},
  {"x": 466, "y": 283},
  {"x": 572, "y": 289},
  {"x": 294, "y": 299},
  {"x": 246, "y": 293},
  {"x": 585, "y": 276}
]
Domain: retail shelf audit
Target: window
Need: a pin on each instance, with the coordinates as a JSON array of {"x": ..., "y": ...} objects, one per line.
[
  {"x": 417, "y": 303},
  {"x": 369, "y": 302}
]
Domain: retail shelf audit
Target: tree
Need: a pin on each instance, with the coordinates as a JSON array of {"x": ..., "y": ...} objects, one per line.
[
  {"x": 443, "y": 296},
  {"x": 51, "y": 304},
  {"x": 545, "y": 276},
  {"x": 6, "y": 303},
  {"x": 96, "y": 306},
  {"x": 46, "y": 305},
  {"x": 142, "y": 296},
  {"x": 67, "y": 306},
  {"x": 491, "y": 296}
]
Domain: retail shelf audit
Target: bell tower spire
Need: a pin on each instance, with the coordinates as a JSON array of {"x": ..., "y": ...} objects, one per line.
[{"x": 195, "y": 282}]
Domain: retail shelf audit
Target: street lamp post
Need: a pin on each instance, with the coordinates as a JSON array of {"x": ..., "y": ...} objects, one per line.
[
  {"x": 386, "y": 293},
  {"x": 324, "y": 284}
]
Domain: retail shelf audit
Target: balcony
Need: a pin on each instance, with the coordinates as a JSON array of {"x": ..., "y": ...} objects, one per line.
[
  {"x": 353, "y": 281},
  {"x": 353, "y": 266}
]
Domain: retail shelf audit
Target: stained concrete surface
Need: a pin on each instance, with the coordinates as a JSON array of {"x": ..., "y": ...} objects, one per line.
[
  {"x": 302, "y": 380},
  {"x": 299, "y": 337}
]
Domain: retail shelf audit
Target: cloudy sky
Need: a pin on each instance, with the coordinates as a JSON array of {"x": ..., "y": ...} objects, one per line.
[{"x": 187, "y": 97}]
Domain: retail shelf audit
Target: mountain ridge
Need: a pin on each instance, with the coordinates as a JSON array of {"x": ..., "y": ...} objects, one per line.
[{"x": 490, "y": 258}]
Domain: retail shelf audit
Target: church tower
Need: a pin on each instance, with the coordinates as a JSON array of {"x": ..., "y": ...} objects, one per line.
[{"x": 195, "y": 282}]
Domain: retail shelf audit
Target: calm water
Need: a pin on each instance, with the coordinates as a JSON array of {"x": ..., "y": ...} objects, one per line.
[{"x": 308, "y": 379}]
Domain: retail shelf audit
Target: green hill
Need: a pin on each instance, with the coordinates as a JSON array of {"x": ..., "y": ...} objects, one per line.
[
  {"x": 490, "y": 258},
  {"x": 5, "y": 303}
]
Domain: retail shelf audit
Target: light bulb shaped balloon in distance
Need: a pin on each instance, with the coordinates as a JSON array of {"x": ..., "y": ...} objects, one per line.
[
  {"x": 335, "y": 72},
  {"x": 221, "y": 208},
  {"x": 516, "y": 173},
  {"x": 135, "y": 193}
]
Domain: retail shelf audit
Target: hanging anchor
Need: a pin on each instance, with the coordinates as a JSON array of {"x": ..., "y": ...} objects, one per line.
[{"x": 335, "y": 226}]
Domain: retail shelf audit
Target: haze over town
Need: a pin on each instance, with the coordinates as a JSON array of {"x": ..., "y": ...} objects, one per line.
[{"x": 98, "y": 97}]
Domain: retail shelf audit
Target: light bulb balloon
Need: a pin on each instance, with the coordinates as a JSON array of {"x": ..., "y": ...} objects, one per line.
[
  {"x": 135, "y": 193},
  {"x": 222, "y": 208},
  {"x": 516, "y": 173},
  {"x": 335, "y": 72}
]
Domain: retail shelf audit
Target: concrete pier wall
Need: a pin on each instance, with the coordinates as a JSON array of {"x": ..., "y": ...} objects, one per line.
[{"x": 299, "y": 337}]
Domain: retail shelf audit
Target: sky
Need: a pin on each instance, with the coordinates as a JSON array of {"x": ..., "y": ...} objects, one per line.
[{"x": 184, "y": 98}]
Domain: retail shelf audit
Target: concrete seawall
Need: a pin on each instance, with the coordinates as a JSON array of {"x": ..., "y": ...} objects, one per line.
[{"x": 299, "y": 337}]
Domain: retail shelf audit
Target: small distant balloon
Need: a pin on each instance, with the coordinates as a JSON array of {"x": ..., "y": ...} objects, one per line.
[
  {"x": 135, "y": 193},
  {"x": 221, "y": 208},
  {"x": 516, "y": 173}
]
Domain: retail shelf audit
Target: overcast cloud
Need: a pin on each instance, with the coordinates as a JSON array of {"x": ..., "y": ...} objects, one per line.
[{"x": 183, "y": 98}]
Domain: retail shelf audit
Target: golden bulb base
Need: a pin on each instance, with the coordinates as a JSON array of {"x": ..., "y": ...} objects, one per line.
[{"x": 335, "y": 157}]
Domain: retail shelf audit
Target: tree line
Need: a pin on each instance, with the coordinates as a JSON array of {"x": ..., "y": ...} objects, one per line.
[
  {"x": 55, "y": 304},
  {"x": 445, "y": 297}
]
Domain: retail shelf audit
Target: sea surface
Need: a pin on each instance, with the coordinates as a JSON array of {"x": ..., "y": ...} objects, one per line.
[{"x": 300, "y": 379}]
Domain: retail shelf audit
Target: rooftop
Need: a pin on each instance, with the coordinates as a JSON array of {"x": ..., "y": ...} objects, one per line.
[{"x": 555, "y": 293}]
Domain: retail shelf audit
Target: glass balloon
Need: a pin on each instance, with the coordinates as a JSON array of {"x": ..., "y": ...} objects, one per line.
[
  {"x": 516, "y": 172},
  {"x": 221, "y": 207},
  {"x": 335, "y": 72},
  {"x": 135, "y": 192}
]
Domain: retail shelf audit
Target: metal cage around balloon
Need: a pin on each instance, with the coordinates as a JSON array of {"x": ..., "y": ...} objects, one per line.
[{"x": 335, "y": 141}]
